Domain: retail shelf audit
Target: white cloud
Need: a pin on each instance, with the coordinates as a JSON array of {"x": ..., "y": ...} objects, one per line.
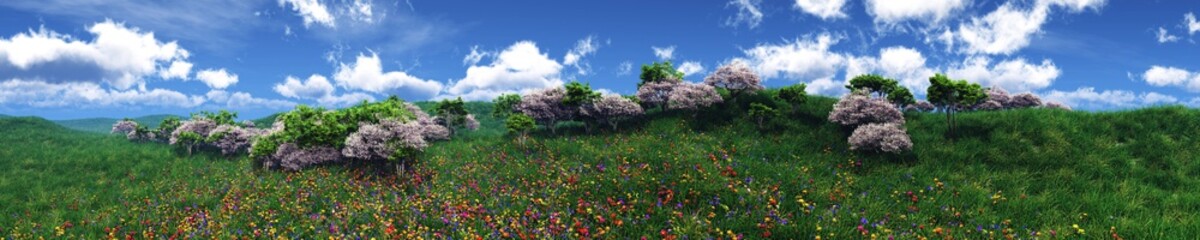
[
  {"x": 583, "y": 48},
  {"x": 315, "y": 87},
  {"x": 1016, "y": 75},
  {"x": 825, "y": 9},
  {"x": 43, "y": 94},
  {"x": 691, "y": 67},
  {"x": 118, "y": 55},
  {"x": 748, "y": 13},
  {"x": 242, "y": 100},
  {"x": 179, "y": 69},
  {"x": 360, "y": 10},
  {"x": 664, "y": 53},
  {"x": 1089, "y": 98},
  {"x": 217, "y": 79},
  {"x": 367, "y": 74},
  {"x": 1164, "y": 37},
  {"x": 312, "y": 11},
  {"x": 1193, "y": 26},
  {"x": 1010, "y": 27},
  {"x": 807, "y": 59},
  {"x": 625, "y": 68},
  {"x": 475, "y": 56},
  {"x": 1171, "y": 76},
  {"x": 520, "y": 67},
  {"x": 893, "y": 12},
  {"x": 906, "y": 65},
  {"x": 318, "y": 88}
]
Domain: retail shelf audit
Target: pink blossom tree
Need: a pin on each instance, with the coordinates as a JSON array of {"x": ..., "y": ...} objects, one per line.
[
  {"x": 736, "y": 76},
  {"x": 546, "y": 106},
  {"x": 612, "y": 109},
  {"x": 880, "y": 137},
  {"x": 1025, "y": 100},
  {"x": 691, "y": 96},
  {"x": 656, "y": 94},
  {"x": 858, "y": 108}
]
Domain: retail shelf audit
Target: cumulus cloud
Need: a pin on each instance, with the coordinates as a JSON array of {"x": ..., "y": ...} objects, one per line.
[
  {"x": 1089, "y": 98},
  {"x": 691, "y": 67},
  {"x": 748, "y": 13},
  {"x": 904, "y": 64},
  {"x": 1164, "y": 37},
  {"x": 316, "y": 86},
  {"x": 242, "y": 100},
  {"x": 178, "y": 70},
  {"x": 312, "y": 11},
  {"x": 41, "y": 94},
  {"x": 366, "y": 74},
  {"x": 800, "y": 59},
  {"x": 824, "y": 9},
  {"x": 892, "y": 12},
  {"x": 1171, "y": 76},
  {"x": 522, "y": 66},
  {"x": 583, "y": 48},
  {"x": 118, "y": 55},
  {"x": 1010, "y": 27},
  {"x": 664, "y": 53},
  {"x": 217, "y": 79},
  {"x": 1016, "y": 75},
  {"x": 1189, "y": 21}
]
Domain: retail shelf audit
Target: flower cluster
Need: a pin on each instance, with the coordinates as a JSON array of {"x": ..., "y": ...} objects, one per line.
[
  {"x": 885, "y": 137},
  {"x": 859, "y": 108},
  {"x": 691, "y": 96},
  {"x": 736, "y": 76}
]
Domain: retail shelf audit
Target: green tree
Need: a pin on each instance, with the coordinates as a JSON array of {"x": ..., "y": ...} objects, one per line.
[
  {"x": 900, "y": 96},
  {"x": 503, "y": 105},
  {"x": 579, "y": 94},
  {"x": 794, "y": 94},
  {"x": 876, "y": 84},
  {"x": 761, "y": 112},
  {"x": 453, "y": 113},
  {"x": 952, "y": 95},
  {"x": 167, "y": 126},
  {"x": 220, "y": 118},
  {"x": 657, "y": 72},
  {"x": 520, "y": 124}
]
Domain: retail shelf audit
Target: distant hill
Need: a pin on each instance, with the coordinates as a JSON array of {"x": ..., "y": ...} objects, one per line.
[{"x": 104, "y": 125}]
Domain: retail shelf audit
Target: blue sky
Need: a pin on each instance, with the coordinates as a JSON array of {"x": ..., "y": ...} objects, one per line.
[{"x": 65, "y": 59}]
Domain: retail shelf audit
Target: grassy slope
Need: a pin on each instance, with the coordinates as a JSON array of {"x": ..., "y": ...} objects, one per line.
[
  {"x": 1016, "y": 171},
  {"x": 104, "y": 125}
]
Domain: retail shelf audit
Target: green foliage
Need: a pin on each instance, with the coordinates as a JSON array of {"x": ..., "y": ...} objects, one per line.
[
  {"x": 453, "y": 112},
  {"x": 794, "y": 94},
  {"x": 503, "y": 105},
  {"x": 220, "y": 118},
  {"x": 308, "y": 127},
  {"x": 874, "y": 83},
  {"x": 659, "y": 71},
  {"x": 169, "y": 125},
  {"x": 579, "y": 94},
  {"x": 950, "y": 95},
  {"x": 519, "y": 124},
  {"x": 900, "y": 96},
  {"x": 761, "y": 113}
]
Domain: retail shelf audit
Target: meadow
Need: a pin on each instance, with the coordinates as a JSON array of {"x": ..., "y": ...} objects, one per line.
[{"x": 1017, "y": 174}]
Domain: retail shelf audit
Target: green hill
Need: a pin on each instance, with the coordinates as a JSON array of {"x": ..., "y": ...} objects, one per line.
[
  {"x": 1031, "y": 173},
  {"x": 104, "y": 125}
]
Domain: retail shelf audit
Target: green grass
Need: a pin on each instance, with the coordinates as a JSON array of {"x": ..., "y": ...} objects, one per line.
[
  {"x": 104, "y": 125},
  {"x": 1015, "y": 172}
]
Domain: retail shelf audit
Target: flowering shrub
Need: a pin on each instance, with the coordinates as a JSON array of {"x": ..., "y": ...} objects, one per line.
[
  {"x": 999, "y": 95},
  {"x": 922, "y": 105},
  {"x": 736, "y": 76},
  {"x": 1025, "y": 100},
  {"x": 1057, "y": 105},
  {"x": 231, "y": 139},
  {"x": 472, "y": 123},
  {"x": 882, "y": 137},
  {"x": 546, "y": 106},
  {"x": 192, "y": 132},
  {"x": 691, "y": 96},
  {"x": 611, "y": 109},
  {"x": 291, "y": 157},
  {"x": 857, "y": 108},
  {"x": 656, "y": 94},
  {"x": 381, "y": 141},
  {"x": 124, "y": 127},
  {"x": 990, "y": 105}
]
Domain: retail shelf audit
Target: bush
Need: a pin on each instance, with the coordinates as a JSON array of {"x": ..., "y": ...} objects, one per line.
[
  {"x": 503, "y": 105},
  {"x": 124, "y": 127},
  {"x": 546, "y": 106},
  {"x": 660, "y": 72},
  {"x": 611, "y": 109},
  {"x": 858, "y": 108},
  {"x": 736, "y": 77},
  {"x": 691, "y": 96},
  {"x": 990, "y": 105},
  {"x": 880, "y": 137},
  {"x": 656, "y": 94},
  {"x": 922, "y": 106},
  {"x": 231, "y": 139},
  {"x": 292, "y": 157},
  {"x": 1058, "y": 106},
  {"x": 388, "y": 140},
  {"x": 794, "y": 94},
  {"x": 760, "y": 113},
  {"x": 999, "y": 95},
  {"x": 1025, "y": 100}
]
